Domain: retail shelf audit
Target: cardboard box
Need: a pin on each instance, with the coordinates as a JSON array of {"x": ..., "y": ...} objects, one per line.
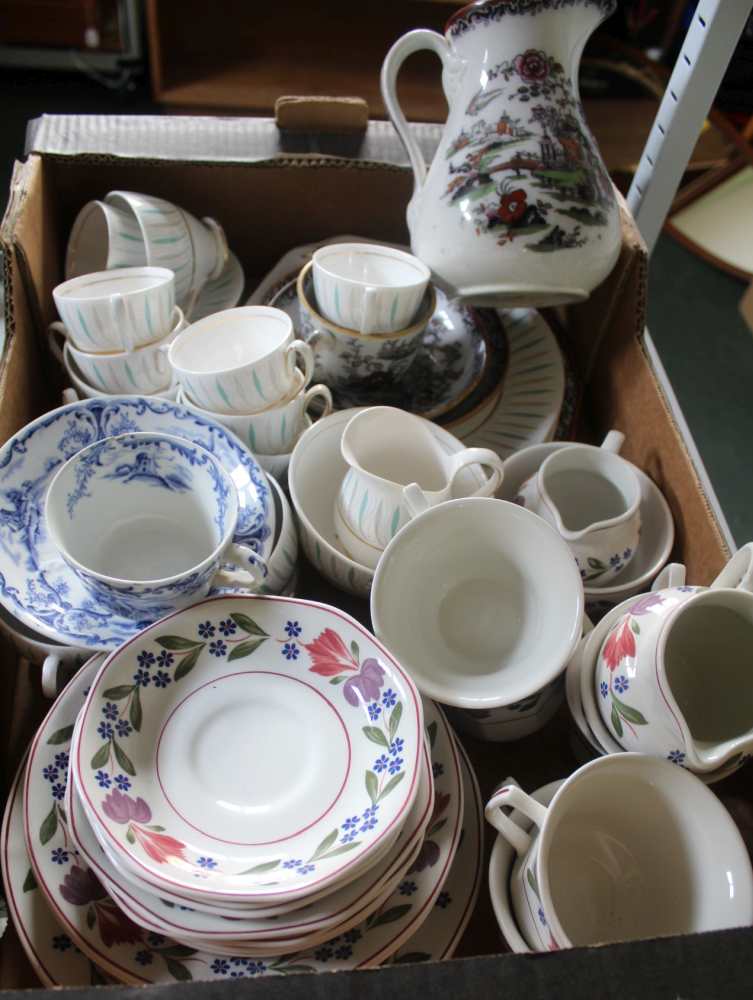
[{"x": 267, "y": 207}]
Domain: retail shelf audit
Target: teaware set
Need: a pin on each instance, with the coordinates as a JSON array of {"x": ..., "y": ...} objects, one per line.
[{"x": 241, "y": 783}]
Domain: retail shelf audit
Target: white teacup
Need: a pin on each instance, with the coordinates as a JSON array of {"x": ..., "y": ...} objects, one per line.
[
  {"x": 103, "y": 237},
  {"x": 117, "y": 310},
  {"x": 593, "y": 498},
  {"x": 480, "y": 601},
  {"x": 396, "y": 469},
  {"x": 274, "y": 431},
  {"x": 80, "y": 388},
  {"x": 630, "y": 847},
  {"x": 240, "y": 360},
  {"x": 195, "y": 251},
  {"x": 367, "y": 287},
  {"x": 145, "y": 370},
  {"x": 146, "y": 521}
]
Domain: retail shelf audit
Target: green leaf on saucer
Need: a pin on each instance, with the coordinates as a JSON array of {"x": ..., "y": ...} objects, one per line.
[
  {"x": 178, "y": 951},
  {"x": 248, "y": 624},
  {"x": 325, "y": 845},
  {"x": 355, "y": 651},
  {"x": 395, "y": 719},
  {"x": 135, "y": 712},
  {"x": 372, "y": 787},
  {"x": 431, "y": 732},
  {"x": 130, "y": 836},
  {"x": 101, "y": 757},
  {"x": 188, "y": 662},
  {"x": 61, "y": 736},
  {"x": 375, "y": 735},
  {"x": 392, "y": 783},
  {"x": 265, "y": 866},
  {"x": 389, "y": 916},
  {"x": 177, "y": 643},
  {"x": 616, "y": 723},
  {"x": 245, "y": 649},
  {"x": 123, "y": 759},
  {"x": 337, "y": 680},
  {"x": 91, "y": 917},
  {"x": 178, "y": 970},
  {"x": 342, "y": 849},
  {"x": 629, "y": 713},
  {"x": 30, "y": 882},
  {"x": 118, "y": 693},
  {"x": 635, "y": 626}
]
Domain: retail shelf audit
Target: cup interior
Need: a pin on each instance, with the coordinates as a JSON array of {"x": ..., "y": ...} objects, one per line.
[
  {"x": 140, "y": 508},
  {"x": 588, "y": 486},
  {"x": 480, "y": 600},
  {"x": 230, "y": 339},
  {"x": 374, "y": 266},
  {"x": 90, "y": 241},
  {"x": 707, "y": 664},
  {"x": 632, "y": 853}
]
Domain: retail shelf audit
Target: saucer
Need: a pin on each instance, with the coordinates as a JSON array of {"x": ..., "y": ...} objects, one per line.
[
  {"x": 657, "y": 528},
  {"x": 581, "y": 698},
  {"x": 222, "y": 292},
  {"x": 36, "y": 585},
  {"x": 500, "y": 869}
]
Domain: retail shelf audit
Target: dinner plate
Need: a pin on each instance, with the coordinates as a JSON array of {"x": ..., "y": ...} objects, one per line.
[
  {"x": 36, "y": 585},
  {"x": 183, "y": 922},
  {"x": 270, "y": 746},
  {"x": 89, "y": 918}
]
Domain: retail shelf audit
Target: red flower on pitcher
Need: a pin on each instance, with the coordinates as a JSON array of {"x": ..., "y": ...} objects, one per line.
[
  {"x": 512, "y": 205},
  {"x": 329, "y": 654},
  {"x": 619, "y": 645},
  {"x": 532, "y": 65}
]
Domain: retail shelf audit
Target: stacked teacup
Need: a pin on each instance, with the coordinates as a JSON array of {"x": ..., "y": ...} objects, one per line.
[
  {"x": 244, "y": 368},
  {"x": 116, "y": 328}
]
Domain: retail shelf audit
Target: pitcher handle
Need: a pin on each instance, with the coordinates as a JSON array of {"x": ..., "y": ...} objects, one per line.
[
  {"x": 613, "y": 441},
  {"x": 511, "y": 795},
  {"x": 673, "y": 575},
  {"x": 479, "y": 456},
  {"x": 738, "y": 573},
  {"x": 414, "y": 41}
]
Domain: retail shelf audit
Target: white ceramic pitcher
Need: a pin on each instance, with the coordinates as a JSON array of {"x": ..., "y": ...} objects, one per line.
[
  {"x": 396, "y": 469},
  {"x": 517, "y": 207}
]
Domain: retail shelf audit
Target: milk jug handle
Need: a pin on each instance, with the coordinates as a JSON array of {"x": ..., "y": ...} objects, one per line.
[
  {"x": 414, "y": 41},
  {"x": 738, "y": 572}
]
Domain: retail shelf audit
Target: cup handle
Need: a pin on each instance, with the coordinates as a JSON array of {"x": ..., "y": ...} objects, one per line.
[
  {"x": 221, "y": 247},
  {"x": 70, "y": 396},
  {"x": 613, "y": 442},
  {"x": 119, "y": 320},
  {"x": 55, "y": 349},
  {"x": 319, "y": 391},
  {"x": 370, "y": 299},
  {"x": 479, "y": 456},
  {"x": 738, "y": 573},
  {"x": 511, "y": 796},
  {"x": 415, "y": 499},
  {"x": 672, "y": 575},
  {"x": 50, "y": 669},
  {"x": 300, "y": 349},
  {"x": 248, "y": 572}
]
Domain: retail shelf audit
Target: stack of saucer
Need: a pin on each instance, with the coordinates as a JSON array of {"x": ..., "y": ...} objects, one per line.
[
  {"x": 316, "y": 827},
  {"x": 117, "y": 327},
  {"x": 240, "y": 368}
]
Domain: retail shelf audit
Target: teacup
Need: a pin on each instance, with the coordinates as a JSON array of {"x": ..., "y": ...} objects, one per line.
[
  {"x": 480, "y": 601},
  {"x": 80, "y": 388},
  {"x": 103, "y": 237},
  {"x": 630, "y": 847},
  {"x": 345, "y": 359},
  {"x": 145, "y": 370},
  {"x": 195, "y": 251},
  {"x": 396, "y": 469},
  {"x": 367, "y": 287},
  {"x": 674, "y": 675},
  {"x": 240, "y": 360},
  {"x": 593, "y": 498},
  {"x": 117, "y": 310},
  {"x": 274, "y": 431},
  {"x": 146, "y": 521}
]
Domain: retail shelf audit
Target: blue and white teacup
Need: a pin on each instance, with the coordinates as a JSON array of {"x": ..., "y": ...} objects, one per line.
[{"x": 146, "y": 521}]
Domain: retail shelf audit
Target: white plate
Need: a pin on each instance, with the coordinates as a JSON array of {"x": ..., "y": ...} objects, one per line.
[
  {"x": 184, "y": 923},
  {"x": 93, "y": 922},
  {"x": 272, "y": 743},
  {"x": 36, "y": 585}
]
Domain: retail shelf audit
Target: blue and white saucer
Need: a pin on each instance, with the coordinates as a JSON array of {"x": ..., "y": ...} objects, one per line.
[{"x": 35, "y": 584}]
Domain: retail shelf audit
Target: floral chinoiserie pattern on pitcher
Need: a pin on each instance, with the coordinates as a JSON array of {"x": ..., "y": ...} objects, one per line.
[
  {"x": 517, "y": 207},
  {"x": 36, "y": 585},
  {"x": 89, "y": 919},
  {"x": 296, "y": 657}
]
